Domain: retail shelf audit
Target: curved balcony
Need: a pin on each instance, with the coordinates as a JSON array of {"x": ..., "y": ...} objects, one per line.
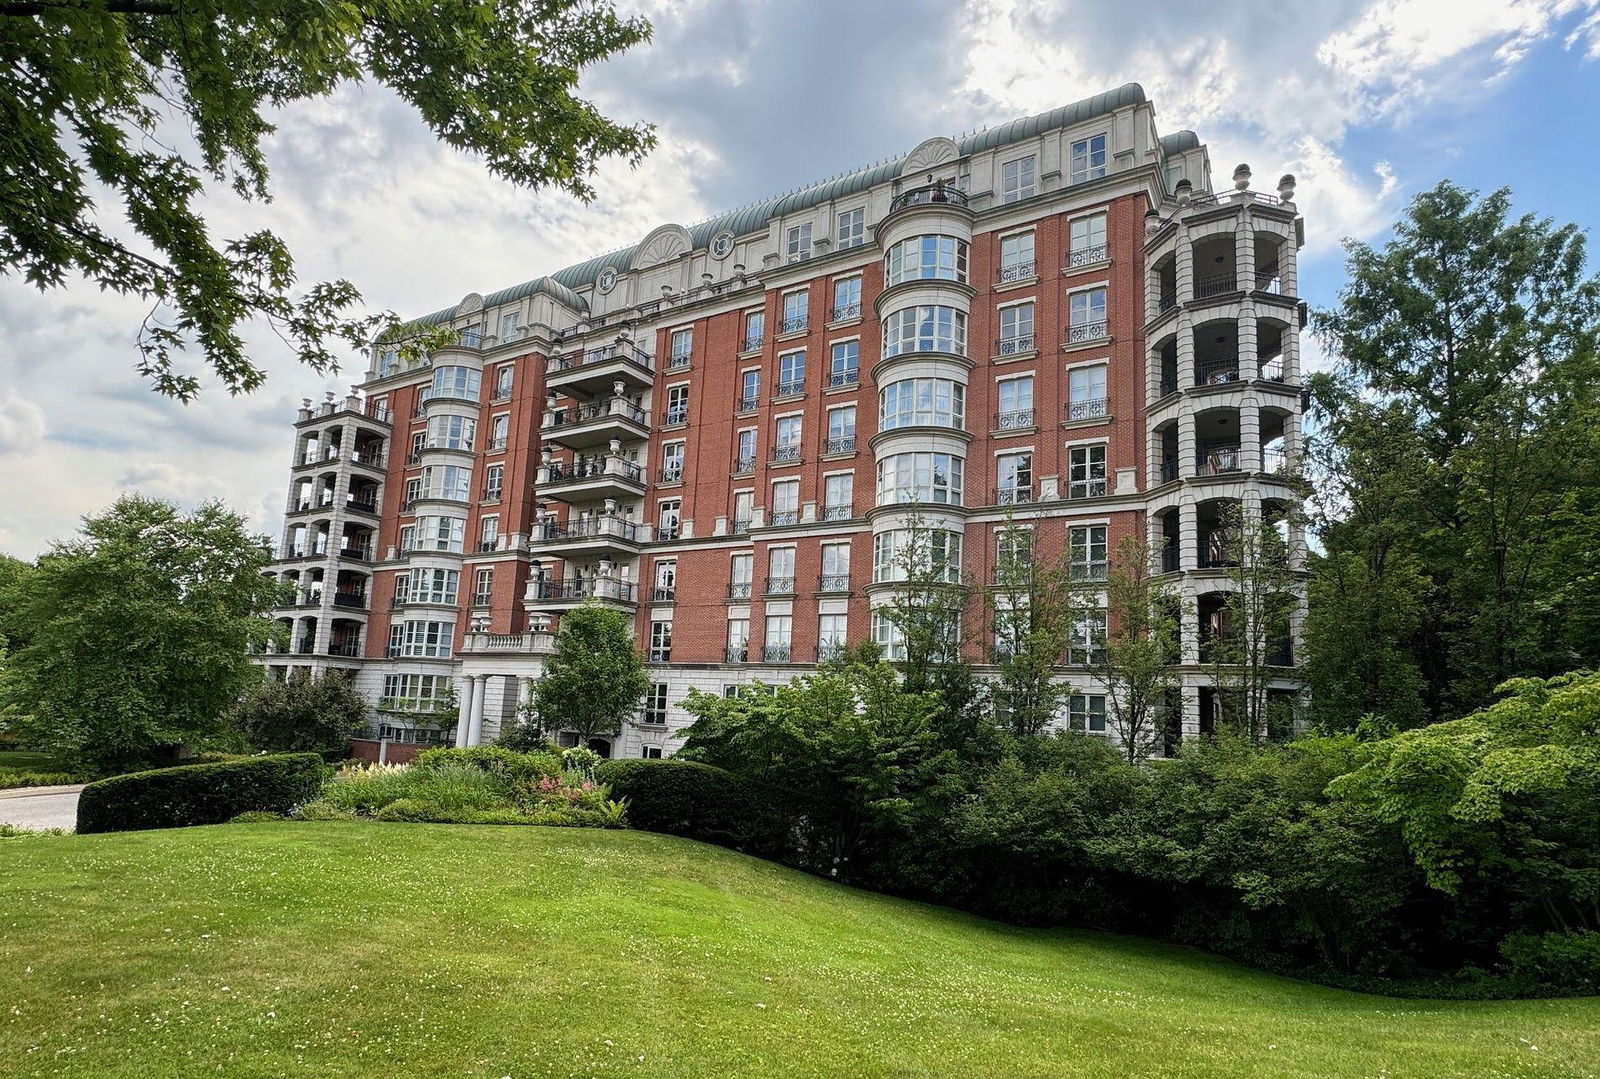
[
  {"x": 930, "y": 195},
  {"x": 940, "y": 208}
]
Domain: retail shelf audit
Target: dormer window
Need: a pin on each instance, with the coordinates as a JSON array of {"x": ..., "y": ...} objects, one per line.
[
  {"x": 1089, "y": 159},
  {"x": 1017, "y": 179},
  {"x": 799, "y": 243}
]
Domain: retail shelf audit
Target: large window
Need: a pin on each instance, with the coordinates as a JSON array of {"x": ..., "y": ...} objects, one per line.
[
  {"x": 1087, "y": 712},
  {"x": 672, "y": 454},
  {"x": 925, "y": 329},
  {"x": 780, "y": 571},
  {"x": 852, "y": 228},
  {"x": 660, "y": 641},
  {"x": 746, "y": 460},
  {"x": 677, "y": 405},
  {"x": 779, "y": 640},
  {"x": 1087, "y": 319},
  {"x": 798, "y": 245},
  {"x": 431, "y": 639},
  {"x": 451, "y": 433},
  {"x": 787, "y": 448},
  {"x": 1087, "y": 477},
  {"x": 922, "y": 553},
  {"x": 682, "y": 348},
  {"x": 1016, "y": 403},
  {"x": 890, "y": 638},
  {"x": 669, "y": 513},
  {"x": 655, "y": 706},
  {"x": 749, "y": 390},
  {"x": 434, "y": 586},
  {"x": 462, "y": 383},
  {"x": 755, "y": 328},
  {"x": 1087, "y": 640},
  {"x": 832, "y": 630},
  {"x": 920, "y": 477},
  {"x": 741, "y": 570},
  {"x": 1088, "y": 159},
  {"x": 1088, "y": 240},
  {"x": 1015, "y": 478},
  {"x": 835, "y": 567},
  {"x": 452, "y": 482},
  {"x": 846, "y": 298},
  {"x": 1016, "y": 257},
  {"x": 796, "y": 309},
  {"x": 922, "y": 402},
  {"x": 941, "y": 258},
  {"x": 416, "y": 692},
  {"x": 791, "y": 373},
  {"x": 483, "y": 587},
  {"x": 494, "y": 478},
  {"x": 1087, "y": 550},
  {"x": 666, "y": 587},
  {"x": 841, "y": 430},
  {"x": 1087, "y": 387},
  {"x": 839, "y": 496},
  {"x": 844, "y": 368},
  {"x": 441, "y": 534},
  {"x": 785, "y": 502},
  {"x": 1016, "y": 329},
  {"x": 504, "y": 374},
  {"x": 1017, "y": 179},
  {"x": 499, "y": 432}
]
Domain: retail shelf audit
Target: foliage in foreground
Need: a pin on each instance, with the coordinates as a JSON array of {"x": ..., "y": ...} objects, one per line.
[
  {"x": 199, "y": 793},
  {"x": 98, "y": 95},
  {"x": 138, "y": 634},
  {"x": 480, "y": 785},
  {"x": 595, "y": 680},
  {"x": 318, "y": 714},
  {"x": 1460, "y": 858}
]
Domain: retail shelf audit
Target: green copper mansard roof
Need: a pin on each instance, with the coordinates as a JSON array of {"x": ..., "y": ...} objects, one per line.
[{"x": 756, "y": 216}]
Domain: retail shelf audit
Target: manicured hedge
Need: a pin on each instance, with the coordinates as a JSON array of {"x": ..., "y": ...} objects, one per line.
[
  {"x": 200, "y": 793},
  {"x": 694, "y": 800}
]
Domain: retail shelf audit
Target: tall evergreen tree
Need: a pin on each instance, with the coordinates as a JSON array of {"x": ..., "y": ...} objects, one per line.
[{"x": 1459, "y": 438}]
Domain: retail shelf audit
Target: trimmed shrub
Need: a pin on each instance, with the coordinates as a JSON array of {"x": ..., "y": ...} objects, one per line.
[
  {"x": 1568, "y": 962},
  {"x": 11, "y": 780},
  {"x": 495, "y": 759},
  {"x": 199, "y": 793},
  {"x": 256, "y": 816},
  {"x": 694, "y": 800}
]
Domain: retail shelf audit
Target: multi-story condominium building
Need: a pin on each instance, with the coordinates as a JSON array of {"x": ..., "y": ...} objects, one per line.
[{"x": 726, "y": 430}]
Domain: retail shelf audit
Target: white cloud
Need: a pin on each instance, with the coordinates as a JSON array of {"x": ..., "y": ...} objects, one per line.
[
  {"x": 749, "y": 99},
  {"x": 21, "y": 425}
]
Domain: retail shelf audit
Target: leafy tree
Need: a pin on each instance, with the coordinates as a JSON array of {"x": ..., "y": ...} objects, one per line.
[
  {"x": 1464, "y": 402},
  {"x": 847, "y": 752},
  {"x": 1502, "y": 806},
  {"x": 927, "y": 609},
  {"x": 1255, "y": 620},
  {"x": 154, "y": 100},
  {"x": 302, "y": 712},
  {"x": 595, "y": 680},
  {"x": 139, "y": 633},
  {"x": 1140, "y": 653},
  {"x": 1032, "y": 607}
]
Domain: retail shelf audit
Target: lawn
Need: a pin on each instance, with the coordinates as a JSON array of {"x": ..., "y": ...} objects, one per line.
[
  {"x": 430, "y": 950},
  {"x": 22, "y": 768}
]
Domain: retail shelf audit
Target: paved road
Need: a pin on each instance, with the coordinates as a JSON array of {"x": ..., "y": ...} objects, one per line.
[{"x": 40, "y": 807}]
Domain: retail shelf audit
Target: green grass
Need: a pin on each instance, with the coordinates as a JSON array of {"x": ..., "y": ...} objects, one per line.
[
  {"x": 349, "y": 949},
  {"x": 22, "y": 768}
]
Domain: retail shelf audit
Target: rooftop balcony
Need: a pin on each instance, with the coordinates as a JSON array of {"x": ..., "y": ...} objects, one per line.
[
  {"x": 592, "y": 372},
  {"x": 596, "y": 423},
  {"x": 534, "y": 643}
]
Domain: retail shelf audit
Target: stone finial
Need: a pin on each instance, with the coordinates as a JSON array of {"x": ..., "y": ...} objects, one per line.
[
  {"x": 615, "y": 446},
  {"x": 1286, "y": 187},
  {"x": 1183, "y": 190},
  {"x": 1241, "y": 177},
  {"x": 1152, "y": 222},
  {"x": 305, "y": 403},
  {"x": 705, "y": 280},
  {"x": 328, "y": 396}
]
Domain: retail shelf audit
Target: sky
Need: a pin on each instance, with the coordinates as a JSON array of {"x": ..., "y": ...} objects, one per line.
[{"x": 1367, "y": 102}]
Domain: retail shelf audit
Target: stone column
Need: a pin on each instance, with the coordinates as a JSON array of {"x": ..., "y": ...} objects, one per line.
[
  {"x": 1250, "y": 435},
  {"x": 1188, "y": 447},
  {"x": 480, "y": 693},
  {"x": 1185, "y": 351},
  {"x": 1249, "y": 361},
  {"x": 464, "y": 713},
  {"x": 1188, "y": 536},
  {"x": 1184, "y": 265},
  {"x": 1244, "y": 253}
]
